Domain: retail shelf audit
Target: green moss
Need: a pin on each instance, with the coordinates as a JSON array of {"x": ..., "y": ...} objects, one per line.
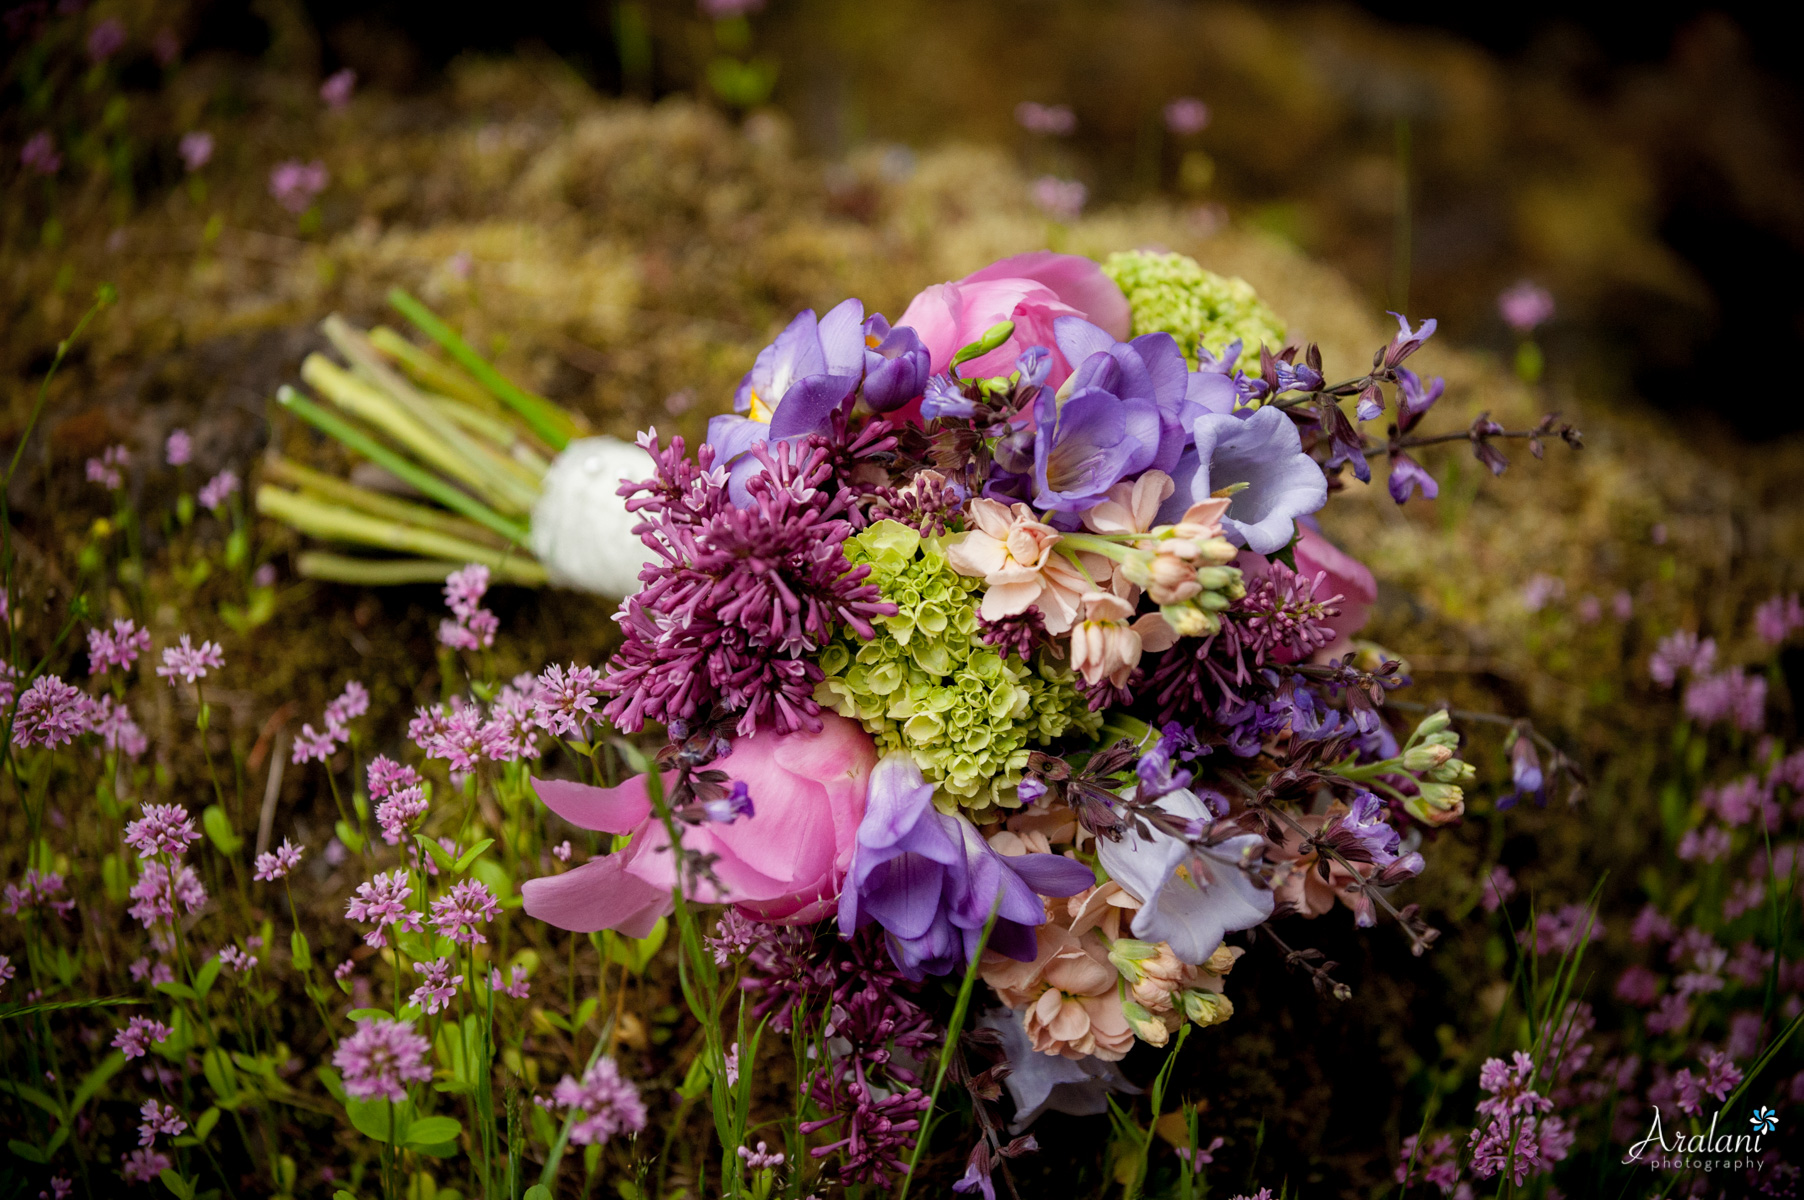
[
  {"x": 928, "y": 684},
  {"x": 1171, "y": 293}
]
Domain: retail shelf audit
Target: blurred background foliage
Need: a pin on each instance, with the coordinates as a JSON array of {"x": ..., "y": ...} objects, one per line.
[{"x": 622, "y": 221}]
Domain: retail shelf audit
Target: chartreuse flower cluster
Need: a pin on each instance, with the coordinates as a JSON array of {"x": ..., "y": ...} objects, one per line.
[
  {"x": 929, "y": 685},
  {"x": 1170, "y": 293}
]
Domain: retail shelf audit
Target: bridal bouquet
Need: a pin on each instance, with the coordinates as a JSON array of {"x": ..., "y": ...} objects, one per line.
[{"x": 998, "y": 646}]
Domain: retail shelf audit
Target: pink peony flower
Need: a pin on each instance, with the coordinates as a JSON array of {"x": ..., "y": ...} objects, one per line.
[
  {"x": 783, "y": 864},
  {"x": 1032, "y": 290}
]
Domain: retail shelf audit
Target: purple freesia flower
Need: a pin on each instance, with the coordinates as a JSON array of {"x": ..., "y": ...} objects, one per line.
[
  {"x": 896, "y": 365},
  {"x": 1187, "y": 899},
  {"x": 1263, "y": 451},
  {"x": 1126, "y": 408},
  {"x": 793, "y": 388},
  {"x": 930, "y": 880}
]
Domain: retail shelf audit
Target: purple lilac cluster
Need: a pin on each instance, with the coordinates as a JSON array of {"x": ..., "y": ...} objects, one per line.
[{"x": 741, "y": 597}]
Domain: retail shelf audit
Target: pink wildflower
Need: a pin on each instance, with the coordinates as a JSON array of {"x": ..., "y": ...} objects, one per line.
[
  {"x": 178, "y": 447},
  {"x": 278, "y": 863},
  {"x": 189, "y": 661},
  {"x": 1778, "y": 618},
  {"x": 438, "y": 985},
  {"x": 39, "y": 154},
  {"x": 217, "y": 490},
  {"x": 381, "y": 1059},
  {"x": 294, "y": 184},
  {"x": 51, "y": 713},
  {"x": 139, "y": 1033},
  {"x": 196, "y": 149},
  {"x": 119, "y": 648},
  {"x": 336, "y": 91},
  {"x": 564, "y": 703},
  {"x": 1186, "y": 116},
  {"x": 109, "y": 469},
  {"x": 382, "y": 902},
  {"x": 605, "y": 1104},
  {"x": 159, "y": 1120},
  {"x": 163, "y": 829},
  {"x": 469, "y": 904},
  {"x": 397, "y": 812},
  {"x": 313, "y": 746},
  {"x": 142, "y": 1166},
  {"x": 519, "y": 989}
]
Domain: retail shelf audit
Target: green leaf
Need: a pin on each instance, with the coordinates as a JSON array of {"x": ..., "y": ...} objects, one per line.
[
  {"x": 205, "y": 1124},
  {"x": 341, "y": 1194},
  {"x": 96, "y": 1079},
  {"x": 350, "y": 837},
  {"x": 175, "y": 1183},
  {"x": 180, "y": 991},
  {"x": 220, "y": 1075},
  {"x": 208, "y": 975},
  {"x": 33, "y": 1096},
  {"x": 301, "y": 951},
  {"x": 472, "y": 854},
  {"x": 433, "y": 1131},
  {"x": 333, "y": 1081},
  {"x": 370, "y": 1117},
  {"x": 635, "y": 954},
  {"x": 219, "y": 830},
  {"x": 370, "y": 1014},
  {"x": 440, "y": 855},
  {"x": 537, "y": 1191},
  {"x": 26, "y": 1151}
]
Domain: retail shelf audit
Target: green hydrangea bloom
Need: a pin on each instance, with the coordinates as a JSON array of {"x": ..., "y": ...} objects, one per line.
[
  {"x": 928, "y": 684},
  {"x": 1171, "y": 293}
]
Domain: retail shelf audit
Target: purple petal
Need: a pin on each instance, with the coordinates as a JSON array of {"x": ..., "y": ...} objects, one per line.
[
  {"x": 1078, "y": 339},
  {"x": 1052, "y": 874}
]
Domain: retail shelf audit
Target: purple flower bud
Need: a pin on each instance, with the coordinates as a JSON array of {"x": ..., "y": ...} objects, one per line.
[
  {"x": 729, "y": 808},
  {"x": 896, "y": 365},
  {"x": 1407, "y": 341},
  {"x": 1407, "y": 475},
  {"x": 1034, "y": 363},
  {"x": 1014, "y": 451},
  {"x": 1371, "y": 404},
  {"x": 1031, "y": 790}
]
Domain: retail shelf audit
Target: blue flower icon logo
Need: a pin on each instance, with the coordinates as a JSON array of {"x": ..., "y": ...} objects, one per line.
[{"x": 1764, "y": 1120}]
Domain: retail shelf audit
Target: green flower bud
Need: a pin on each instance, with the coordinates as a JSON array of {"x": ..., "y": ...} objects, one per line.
[
  {"x": 1207, "y": 1008},
  {"x": 1425, "y": 758}
]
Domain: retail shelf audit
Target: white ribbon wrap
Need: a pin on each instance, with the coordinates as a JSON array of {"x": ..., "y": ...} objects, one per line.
[{"x": 581, "y": 530}]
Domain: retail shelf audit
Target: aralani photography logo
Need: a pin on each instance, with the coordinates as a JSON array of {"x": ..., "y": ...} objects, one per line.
[{"x": 1708, "y": 1151}]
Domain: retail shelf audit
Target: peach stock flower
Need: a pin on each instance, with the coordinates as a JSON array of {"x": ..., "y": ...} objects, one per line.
[
  {"x": 1013, "y": 552},
  {"x": 1104, "y": 645},
  {"x": 1067, "y": 996}
]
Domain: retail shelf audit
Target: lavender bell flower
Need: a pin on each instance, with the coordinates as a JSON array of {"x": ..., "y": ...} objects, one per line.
[
  {"x": 1188, "y": 900},
  {"x": 930, "y": 880},
  {"x": 792, "y": 390},
  {"x": 1264, "y": 451},
  {"x": 895, "y": 365}
]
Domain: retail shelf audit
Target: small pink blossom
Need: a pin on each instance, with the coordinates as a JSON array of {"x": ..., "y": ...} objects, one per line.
[
  {"x": 1060, "y": 199},
  {"x": 178, "y": 447},
  {"x": 38, "y": 889},
  {"x": 120, "y": 648},
  {"x": 190, "y": 662},
  {"x": 562, "y": 851},
  {"x": 457, "y": 914},
  {"x": 109, "y": 469},
  {"x": 238, "y": 960},
  {"x": 295, "y": 184},
  {"x": 217, "y": 490},
  {"x": 135, "y": 1040},
  {"x": 159, "y": 891},
  {"x": 351, "y": 703},
  {"x": 196, "y": 149},
  {"x": 159, "y": 1120},
  {"x": 106, "y": 39},
  {"x": 1778, "y": 618},
  {"x": 438, "y": 985},
  {"x": 51, "y": 713},
  {"x": 382, "y": 902},
  {"x": 519, "y": 989},
  {"x": 1524, "y": 306},
  {"x": 381, "y": 1059},
  {"x": 278, "y": 863},
  {"x": 1186, "y": 116},
  {"x": 39, "y": 154},
  {"x": 163, "y": 829},
  {"x": 336, "y": 91},
  {"x": 1500, "y": 885},
  {"x": 313, "y": 746},
  {"x": 397, "y": 812},
  {"x": 1053, "y": 120},
  {"x": 142, "y": 1165},
  {"x": 603, "y": 1103}
]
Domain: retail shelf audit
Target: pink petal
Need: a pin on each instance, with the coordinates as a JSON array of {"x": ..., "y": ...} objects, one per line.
[
  {"x": 619, "y": 809},
  {"x": 600, "y": 894}
]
